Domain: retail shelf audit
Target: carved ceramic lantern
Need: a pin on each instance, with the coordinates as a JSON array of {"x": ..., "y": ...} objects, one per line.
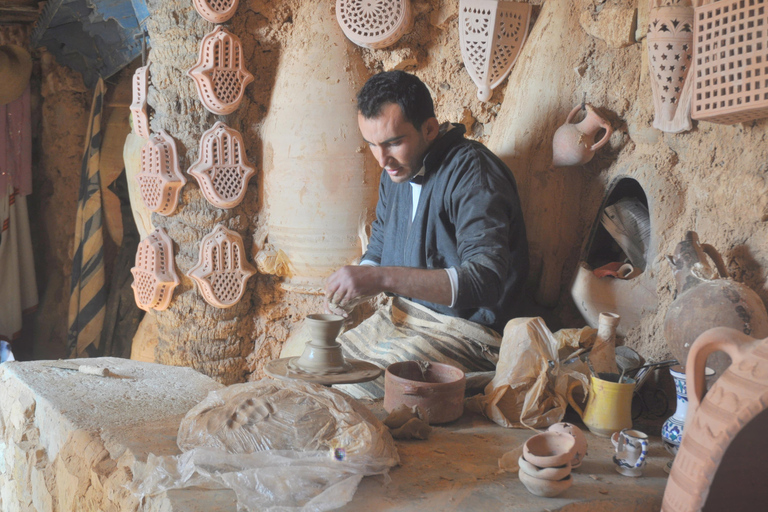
[
  {"x": 222, "y": 169},
  {"x": 154, "y": 276},
  {"x": 216, "y": 11},
  {"x": 320, "y": 182},
  {"x": 160, "y": 179},
  {"x": 374, "y": 23},
  {"x": 139, "y": 102},
  {"x": 219, "y": 73},
  {"x": 222, "y": 270},
  {"x": 491, "y": 33},
  {"x": 670, "y": 57}
]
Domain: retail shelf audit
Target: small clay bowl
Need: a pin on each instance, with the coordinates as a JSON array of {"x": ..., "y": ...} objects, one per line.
[
  {"x": 545, "y": 488},
  {"x": 550, "y": 449},
  {"x": 439, "y": 389},
  {"x": 578, "y": 435},
  {"x": 557, "y": 473}
]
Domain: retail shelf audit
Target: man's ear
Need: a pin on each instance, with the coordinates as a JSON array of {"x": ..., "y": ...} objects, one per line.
[{"x": 430, "y": 129}]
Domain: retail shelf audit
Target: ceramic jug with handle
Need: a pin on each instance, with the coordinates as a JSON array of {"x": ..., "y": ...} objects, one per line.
[
  {"x": 574, "y": 143},
  {"x": 609, "y": 404}
]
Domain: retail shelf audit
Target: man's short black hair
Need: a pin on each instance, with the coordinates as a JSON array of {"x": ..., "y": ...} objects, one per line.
[{"x": 398, "y": 87}]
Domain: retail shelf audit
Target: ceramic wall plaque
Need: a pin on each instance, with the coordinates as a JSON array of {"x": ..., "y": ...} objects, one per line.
[
  {"x": 216, "y": 11},
  {"x": 222, "y": 270},
  {"x": 374, "y": 23},
  {"x": 222, "y": 169},
  {"x": 139, "y": 101},
  {"x": 220, "y": 75},
  {"x": 154, "y": 276},
  {"x": 160, "y": 179},
  {"x": 491, "y": 33},
  {"x": 670, "y": 58}
]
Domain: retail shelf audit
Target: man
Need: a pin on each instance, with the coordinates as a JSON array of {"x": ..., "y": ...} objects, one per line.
[{"x": 449, "y": 230}]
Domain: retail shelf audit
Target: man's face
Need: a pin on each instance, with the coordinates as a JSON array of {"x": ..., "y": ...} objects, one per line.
[{"x": 395, "y": 143}]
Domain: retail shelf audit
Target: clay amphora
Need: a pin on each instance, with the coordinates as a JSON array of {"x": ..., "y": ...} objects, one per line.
[
  {"x": 574, "y": 144},
  {"x": 603, "y": 354},
  {"x": 716, "y": 422},
  {"x": 705, "y": 300},
  {"x": 609, "y": 405}
]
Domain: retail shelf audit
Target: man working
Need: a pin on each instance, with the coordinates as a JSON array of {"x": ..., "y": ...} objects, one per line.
[{"x": 449, "y": 231}]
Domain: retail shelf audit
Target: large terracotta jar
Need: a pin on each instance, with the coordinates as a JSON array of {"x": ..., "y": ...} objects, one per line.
[{"x": 320, "y": 182}]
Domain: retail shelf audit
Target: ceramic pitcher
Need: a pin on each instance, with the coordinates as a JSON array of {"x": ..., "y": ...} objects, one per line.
[
  {"x": 609, "y": 405},
  {"x": 574, "y": 143}
]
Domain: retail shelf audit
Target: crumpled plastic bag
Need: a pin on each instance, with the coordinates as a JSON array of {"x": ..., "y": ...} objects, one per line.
[
  {"x": 530, "y": 386},
  {"x": 280, "y": 445}
]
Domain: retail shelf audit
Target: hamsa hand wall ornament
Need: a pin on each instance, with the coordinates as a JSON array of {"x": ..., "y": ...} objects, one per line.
[
  {"x": 219, "y": 73},
  {"x": 154, "y": 276},
  {"x": 491, "y": 33},
  {"x": 160, "y": 179},
  {"x": 670, "y": 58},
  {"x": 374, "y": 23},
  {"x": 216, "y": 11},
  {"x": 139, "y": 102},
  {"x": 222, "y": 270},
  {"x": 222, "y": 169}
]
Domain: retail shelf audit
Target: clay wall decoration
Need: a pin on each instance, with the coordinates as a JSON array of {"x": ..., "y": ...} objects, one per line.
[
  {"x": 160, "y": 179},
  {"x": 670, "y": 58},
  {"x": 574, "y": 143},
  {"x": 154, "y": 276},
  {"x": 222, "y": 270},
  {"x": 139, "y": 102},
  {"x": 222, "y": 170},
  {"x": 492, "y": 33},
  {"x": 216, "y": 11},
  {"x": 374, "y": 23},
  {"x": 730, "y": 51},
  {"x": 219, "y": 73}
]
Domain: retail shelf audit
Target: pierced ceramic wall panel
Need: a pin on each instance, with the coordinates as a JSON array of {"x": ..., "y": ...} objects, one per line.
[
  {"x": 222, "y": 170},
  {"x": 219, "y": 73},
  {"x": 374, "y": 23},
  {"x": 491, "y": 33},
  {"x": 216, "y": 11},
  {"x": 154, "y": 276},
  {"x": 139, "y": 102},
  {"x": 731, "y": 55},
  {"x": 670, "y": 59},
  {"x": 160, "y": 179},
  {"x": 222, "y": 270}
]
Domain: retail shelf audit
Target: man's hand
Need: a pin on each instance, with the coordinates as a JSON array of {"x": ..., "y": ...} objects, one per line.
[{"x": 351, "y": 283}]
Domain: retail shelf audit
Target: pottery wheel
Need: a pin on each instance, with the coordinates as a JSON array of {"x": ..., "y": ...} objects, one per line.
[{"x": 360, "y": 371}]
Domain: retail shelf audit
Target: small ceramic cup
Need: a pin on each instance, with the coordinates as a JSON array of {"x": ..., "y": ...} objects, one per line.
[{"x": 631, "y": 448}]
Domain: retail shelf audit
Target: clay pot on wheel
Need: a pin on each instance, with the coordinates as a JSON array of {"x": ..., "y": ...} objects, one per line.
[
  {"x": 705, "y": 300},
  {"x": 574, "y": 143}
]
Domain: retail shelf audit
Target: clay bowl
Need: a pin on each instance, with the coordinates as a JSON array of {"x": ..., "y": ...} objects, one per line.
[
  {"x": 550, "y": 449},
  {"x": 439, "y": 389},
  {"x": 557, "y": 473},
  {"x": 578, "y": 435},
  {"x": 545, "y": 488}
]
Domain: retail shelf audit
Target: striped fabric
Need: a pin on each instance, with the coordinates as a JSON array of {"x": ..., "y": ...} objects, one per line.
[
  {"x": 406, "y": 331},
  {"x": 88, "y": 294}
]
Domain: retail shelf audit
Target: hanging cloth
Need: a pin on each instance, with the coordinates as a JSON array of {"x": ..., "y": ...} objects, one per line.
[
  {"x": 18, "y": 287},
  {"x": 88, "y": 294}
]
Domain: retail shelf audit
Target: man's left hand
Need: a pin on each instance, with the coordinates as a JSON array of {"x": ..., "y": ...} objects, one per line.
[{"x": 350, "y": 283}]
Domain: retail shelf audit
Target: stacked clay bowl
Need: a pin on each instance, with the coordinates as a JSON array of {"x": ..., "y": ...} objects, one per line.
[{"x": 545, "y": 466}]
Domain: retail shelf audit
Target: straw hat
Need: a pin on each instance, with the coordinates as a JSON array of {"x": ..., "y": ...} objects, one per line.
[{"x": 15, "y": 68}]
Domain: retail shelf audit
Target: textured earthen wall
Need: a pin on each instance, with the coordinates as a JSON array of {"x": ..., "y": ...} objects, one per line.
[{"x": 711, "y": 179}]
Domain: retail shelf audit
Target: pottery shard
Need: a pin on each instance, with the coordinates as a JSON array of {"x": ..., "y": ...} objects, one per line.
[
  {"x": 222, "y": 170},
  {"x": 219, "y": 73},
  {"x": 216, "y": 11},
  {"x": 614, "y": 24},
  {"x": 160, "y": 179},
  {"x": 222, "y": 270},
  {"x": 154, "y": 276},
  {"x": 139, "y": 102}
]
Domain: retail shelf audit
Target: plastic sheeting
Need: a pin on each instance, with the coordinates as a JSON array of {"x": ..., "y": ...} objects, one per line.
[{"x": 280, "y": 445}]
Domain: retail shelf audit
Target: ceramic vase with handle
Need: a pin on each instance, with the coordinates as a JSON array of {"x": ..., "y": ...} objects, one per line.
[{"x": 574, "y": 143}]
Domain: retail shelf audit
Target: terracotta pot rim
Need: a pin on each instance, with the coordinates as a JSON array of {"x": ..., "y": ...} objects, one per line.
[{"x": 459, "y": 379}]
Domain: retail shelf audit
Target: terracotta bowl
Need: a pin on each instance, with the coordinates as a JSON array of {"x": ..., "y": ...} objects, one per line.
[
  {"x": 557, "y": 473},
  {"x": 439, "y": 389},
  {"x": 545, "y": 488},
  {"x": 578, "y": 435},
  {"x": 550, "y": 449}
]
